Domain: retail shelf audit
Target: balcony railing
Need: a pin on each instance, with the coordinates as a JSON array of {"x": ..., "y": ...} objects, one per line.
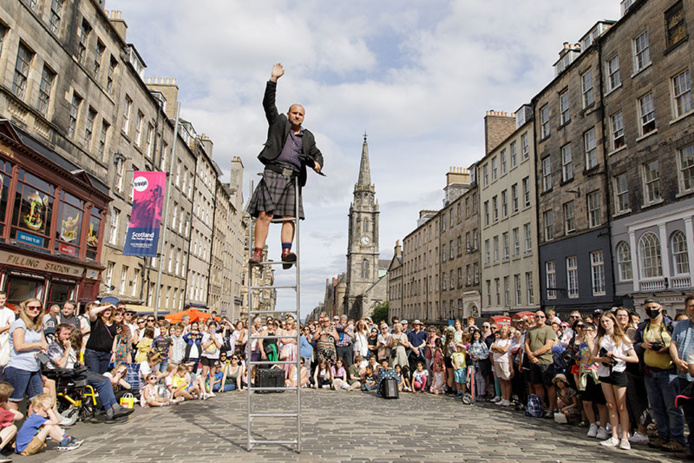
[
  {"x": 661, "y": 283},
  {"x": 681, "y": 282},
  {"x": 652, "y": 284}
]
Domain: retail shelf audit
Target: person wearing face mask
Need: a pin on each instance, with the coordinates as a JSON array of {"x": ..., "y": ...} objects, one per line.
[{"x": 651, "y": 343}]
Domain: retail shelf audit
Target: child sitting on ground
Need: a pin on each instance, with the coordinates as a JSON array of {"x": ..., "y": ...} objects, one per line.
[
  {"x": 567, "y": 399},
  {"x": 406, "y": 383},
  {"x": 370, "y": 383},
  {"x": 419, "y": 378},
  {"x": 181, "y": 385},
  {"x": 8, "y": 430},
  {"x": 43, "y": 422},
  {"x": 150, "y": 394},
  {"x": 438, "y": 386}
]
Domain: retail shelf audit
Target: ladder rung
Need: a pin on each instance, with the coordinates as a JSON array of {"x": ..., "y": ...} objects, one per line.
[
  {"x": 283, "y": 219},
  {"x": 273, "y": 262},
  {"x": 258, "y": 312},
  {"x": 270, "y": 362},
  {"x": 268, "y": 388},
  {"x": 254, "y": 441},
  {"x": 277, "y": 415},
  {"x": 273, "y": 336},
  {"x": 275, "y": 287}
]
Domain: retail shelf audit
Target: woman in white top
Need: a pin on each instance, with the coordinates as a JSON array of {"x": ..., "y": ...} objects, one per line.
[
  {"x": 612, "y": 350},
  {"x": 361, "y": 339},
  {"x": 500, "y": 350}
]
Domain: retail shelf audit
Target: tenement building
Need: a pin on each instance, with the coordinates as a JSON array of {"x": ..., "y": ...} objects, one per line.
[
  {"x": 510, "y": 280},
  {"x": 435, "y": 276},
  {"x": 649, "y": 116},
  {"x": 451, "y": 242},
  {"x": 573, "y": 220},
  {"x": 73, "y": 93}
]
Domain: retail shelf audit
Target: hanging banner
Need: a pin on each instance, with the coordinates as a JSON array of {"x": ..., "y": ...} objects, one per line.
[{"x": 145, "y": 220}]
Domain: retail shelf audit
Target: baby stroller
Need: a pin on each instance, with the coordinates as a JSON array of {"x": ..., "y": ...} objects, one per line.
[{"x": 76, "y": 398}]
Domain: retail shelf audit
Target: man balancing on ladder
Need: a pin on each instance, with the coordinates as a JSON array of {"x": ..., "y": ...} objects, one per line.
[{"x": 288, "y": 150}]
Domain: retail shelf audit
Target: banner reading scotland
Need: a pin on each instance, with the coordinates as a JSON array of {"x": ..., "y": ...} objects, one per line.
[{"x": 145, "y": 220}]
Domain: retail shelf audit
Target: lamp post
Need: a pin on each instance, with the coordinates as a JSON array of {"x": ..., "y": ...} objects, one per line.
[{"x": 167, "y": 198}]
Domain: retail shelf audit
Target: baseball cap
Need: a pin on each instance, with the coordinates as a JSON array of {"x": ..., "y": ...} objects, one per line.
[{"x": 651, "y": 300}]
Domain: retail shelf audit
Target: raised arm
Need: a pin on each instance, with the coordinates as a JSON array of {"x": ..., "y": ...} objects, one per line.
[{"x": 277, "y": 72}]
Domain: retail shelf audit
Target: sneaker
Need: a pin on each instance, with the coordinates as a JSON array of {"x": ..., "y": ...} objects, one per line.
[
  {"x": 69, "y": 443},
  {"x": 624, "y": 444},
  {"x": 500, "y": 402},
  {"x": 506, "y": 403},
  {"x": 66, "y": 448},
  {"x": 638, "y": 438},
  {"x": 211, "y": 394},
  {"x": 674, "y": 446},
  {"x": 495, "y": 399},
  {"x": 549, "y": 414},
  {"x": 178, "y": 400},
  {"x": 657, "y": 443},
  {"x": 593, "y": 430},
  {"x": 611, "y": 442},
  {"x": 602, "y": 434}
]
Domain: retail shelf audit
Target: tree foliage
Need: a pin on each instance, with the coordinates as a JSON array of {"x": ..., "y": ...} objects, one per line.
[{"x": 380, "y": 312}]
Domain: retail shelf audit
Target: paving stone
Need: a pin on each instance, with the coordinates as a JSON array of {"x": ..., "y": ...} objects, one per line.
[{"x": 340, "y": 426}]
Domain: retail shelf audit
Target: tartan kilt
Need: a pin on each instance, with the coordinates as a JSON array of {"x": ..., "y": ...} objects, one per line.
[{"x": 276, "y": 194}]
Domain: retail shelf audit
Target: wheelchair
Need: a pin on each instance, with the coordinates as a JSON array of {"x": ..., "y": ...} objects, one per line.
[{"x": 76, "y": 397}]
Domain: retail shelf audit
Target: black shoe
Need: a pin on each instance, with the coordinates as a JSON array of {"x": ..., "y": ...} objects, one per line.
[
  {"x": 123, "y": 412},
  {"x": 114, "y": 420},
  {"x": 288, "y": 259}
]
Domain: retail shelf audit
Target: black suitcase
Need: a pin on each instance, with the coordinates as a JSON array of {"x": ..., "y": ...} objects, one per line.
[
  {"x": 269, "y": 377},
  {"x": 390, "y": 389}
]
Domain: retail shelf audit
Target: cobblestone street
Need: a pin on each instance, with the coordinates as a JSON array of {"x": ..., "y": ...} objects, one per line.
[{"x": 341, "y": 426}]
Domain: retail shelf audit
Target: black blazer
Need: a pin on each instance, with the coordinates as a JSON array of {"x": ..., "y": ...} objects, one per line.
[{"x": 277, "y": 132}]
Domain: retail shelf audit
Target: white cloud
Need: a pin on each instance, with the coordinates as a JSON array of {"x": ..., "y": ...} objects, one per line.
[{"x": 418, "y": 77}]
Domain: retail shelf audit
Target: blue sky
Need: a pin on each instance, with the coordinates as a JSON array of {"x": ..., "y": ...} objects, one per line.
[{"x": 417, "y": 76}]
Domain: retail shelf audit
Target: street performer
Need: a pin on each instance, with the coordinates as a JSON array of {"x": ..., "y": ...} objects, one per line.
[{"x": 288, "y": 150}]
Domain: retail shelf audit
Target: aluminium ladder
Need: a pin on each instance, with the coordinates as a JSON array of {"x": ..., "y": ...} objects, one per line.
[{"x": 251, "y": 365}]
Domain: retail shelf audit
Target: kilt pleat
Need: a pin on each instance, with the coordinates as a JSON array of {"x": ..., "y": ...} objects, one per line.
[{"x": 276, "y": 195}]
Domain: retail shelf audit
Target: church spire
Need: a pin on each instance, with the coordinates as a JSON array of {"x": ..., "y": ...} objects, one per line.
[{"x": 364, "y": 169}]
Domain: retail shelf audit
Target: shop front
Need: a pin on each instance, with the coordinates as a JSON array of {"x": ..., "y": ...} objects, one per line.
[{"x": 51, "y": 224}]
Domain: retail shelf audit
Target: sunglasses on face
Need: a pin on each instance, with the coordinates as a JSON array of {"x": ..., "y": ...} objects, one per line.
[{"x": 38, "y": 307}]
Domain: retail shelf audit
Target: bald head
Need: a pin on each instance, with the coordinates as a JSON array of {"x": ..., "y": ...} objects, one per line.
[{"x": 296, "y": 115}]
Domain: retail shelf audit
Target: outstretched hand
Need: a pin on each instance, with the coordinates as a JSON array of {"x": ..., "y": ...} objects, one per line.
[{"x": 277, "y": 72}]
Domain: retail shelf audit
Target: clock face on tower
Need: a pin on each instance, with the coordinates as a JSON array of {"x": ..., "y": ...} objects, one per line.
[{"x": 365, "y": 240}]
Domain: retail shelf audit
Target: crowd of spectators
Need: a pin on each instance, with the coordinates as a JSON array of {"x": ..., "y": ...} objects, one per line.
[{"x": 625, "y": 380}]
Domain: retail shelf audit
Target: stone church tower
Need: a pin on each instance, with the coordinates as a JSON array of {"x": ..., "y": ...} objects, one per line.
[{"x": 362, "y": 245}]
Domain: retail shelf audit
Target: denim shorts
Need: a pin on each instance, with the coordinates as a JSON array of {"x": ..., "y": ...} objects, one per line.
[{"x": 23, "y": 382}]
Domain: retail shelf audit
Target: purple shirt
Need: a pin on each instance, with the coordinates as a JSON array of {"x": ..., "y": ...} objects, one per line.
[{"x": 292, "y": 149}]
